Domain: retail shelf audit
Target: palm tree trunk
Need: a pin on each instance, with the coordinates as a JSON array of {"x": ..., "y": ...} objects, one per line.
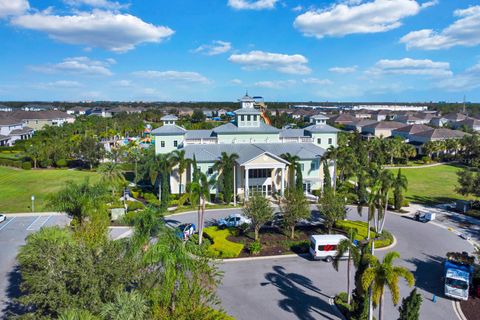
[
  {"x": 349, "y": 294},
  {"x": 180, "y": 185},
  {"x": 292, "y": 234},
  {"x": 257, "y": 229},
  {"x": 380, "y": 307},
  {"x": 199, "y": 223}
]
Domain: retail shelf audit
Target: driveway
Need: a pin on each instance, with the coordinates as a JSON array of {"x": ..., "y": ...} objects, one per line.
[{"x": 297, "y": 288}]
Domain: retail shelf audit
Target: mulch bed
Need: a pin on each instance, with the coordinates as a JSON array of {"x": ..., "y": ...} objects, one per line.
[
  {"x": 471, "y": 308},
  {"x": 275, "y": 242}
]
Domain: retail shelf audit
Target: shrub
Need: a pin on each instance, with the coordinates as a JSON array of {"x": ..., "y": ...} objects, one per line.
[
  {"x": 173, "y": 203},
  {"x": 384, "y": 240},
  {"x": 135, "y": 205},
  {"x": 221, "y": 247},
  {"x": 255, "y": 247},
  {"x": 135, "y": 194},
  {"x": 26, "y": 165},
  {"x": 62, "y": 163},
  {"x": 341, "y": 302},
  {"x": 299, "y": 246},
  {"x": 151, "y": 198},
  {"x": 425, "y": 159}
]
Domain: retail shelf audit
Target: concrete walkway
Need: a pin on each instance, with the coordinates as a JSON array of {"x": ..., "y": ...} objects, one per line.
[{"x": 422, "y": 166}]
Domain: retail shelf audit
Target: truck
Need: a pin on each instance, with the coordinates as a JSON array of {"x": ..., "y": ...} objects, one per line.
[
  {"x": 458, "y": 275},
  {"x": 425, "y": 216}
]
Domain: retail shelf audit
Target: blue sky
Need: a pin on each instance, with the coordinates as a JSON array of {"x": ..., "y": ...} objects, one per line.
[{"x": 284, "y": 50}]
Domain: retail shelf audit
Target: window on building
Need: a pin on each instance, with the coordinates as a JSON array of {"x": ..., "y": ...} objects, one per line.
[
  {"x": 330, "y": 140},
  {"x": 254, "y": 118},
  {"x": 162, "y": 144},
  {"x": 175, "y": 143},
  {"x": 248, "y": 117},
  {"x": 319, "y": 141},
  {"x": 313, "y": 166},
  {"x": 302, "y": 165},
  {"x": 259, "y": 173},
  {"x": 210, "y": 170},
  {"x": 242, "y": 117}
]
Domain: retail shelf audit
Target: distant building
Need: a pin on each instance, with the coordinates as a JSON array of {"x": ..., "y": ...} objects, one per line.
[
  {"x": 389, "y": 107},
  {"x": 407, "y": 131},
  {"x": 12, "y": 129},
  {"x": 39, "y": 119},
  {"x": 344, "y": 118},
  {"x": 471, "y": 123},
  {"x": 359, "y": 124},
  {"x": 78, "y": 111}
]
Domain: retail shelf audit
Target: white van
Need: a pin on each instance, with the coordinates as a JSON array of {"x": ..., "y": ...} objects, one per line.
[{"x": 325, "y": 246}]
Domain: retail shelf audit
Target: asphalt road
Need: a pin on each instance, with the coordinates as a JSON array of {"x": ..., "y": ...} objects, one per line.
[
  {"x": 287, "y": 288},
  {"x": 297, "y": 288}
]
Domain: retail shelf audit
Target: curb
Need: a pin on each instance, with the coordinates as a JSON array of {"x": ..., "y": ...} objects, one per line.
[
  {"x": 394, "y": 243},
  {"x": 265, "y": 257},
  {"x": 195, "y": 211},
  {"x": 458, "y": 310},
  {"x": 34, "y": 214}
]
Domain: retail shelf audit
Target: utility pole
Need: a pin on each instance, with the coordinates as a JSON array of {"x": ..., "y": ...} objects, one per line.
[{"x": 464, "y": 105}]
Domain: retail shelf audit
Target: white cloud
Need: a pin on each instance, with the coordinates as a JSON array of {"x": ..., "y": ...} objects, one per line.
[
  {"x": 357, "y": 17},
  {"x": 103, "y": 29},
  {"x": 297, "y": 8},
  {"x": 13, "y": 7},
  {"x": 409, "y": 66},
  {"x": 465, "y": 81},
  {"x": 252, "y": 4},
  {"x": 236, "y": 81},
  {"x": 278, "y": 84},
  {"x": 317, "y": 81},
  {"x": 463, "y": 32},
  {"x": 217, "y": 47},
  {"x": 64, "y": 84},
  {"x": 123, "y": 83},
  {"x": 343, "y": 70},
  {"x": 76, "y": 65},
  {"x": 181, "y": 76},
  {"x": 106, "y": 4},
  {"x": 258, "y": 60}
]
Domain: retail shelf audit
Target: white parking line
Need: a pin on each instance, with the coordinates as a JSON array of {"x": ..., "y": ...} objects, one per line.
[
  {"x": 38, "y": 223},
  {"x": 6, "y": 224}
]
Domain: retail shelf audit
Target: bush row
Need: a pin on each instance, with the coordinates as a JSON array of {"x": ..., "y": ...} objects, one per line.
[
  {"x": 15, "y": 163},
  {"x": 221, "y": 247}
]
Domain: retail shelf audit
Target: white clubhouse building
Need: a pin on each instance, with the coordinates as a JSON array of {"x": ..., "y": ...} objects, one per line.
[{"x": 259, "y": 147}]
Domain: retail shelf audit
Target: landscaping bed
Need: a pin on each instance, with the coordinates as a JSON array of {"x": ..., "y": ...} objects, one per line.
[
  {"x": 233, "y": 243},
  {"x": 471, "y": 308}
]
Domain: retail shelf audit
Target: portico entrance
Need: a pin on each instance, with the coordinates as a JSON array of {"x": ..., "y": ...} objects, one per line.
[{"x": 264, "y": 174}]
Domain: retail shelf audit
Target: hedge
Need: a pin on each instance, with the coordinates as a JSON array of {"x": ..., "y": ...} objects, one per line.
[
  {"x": 384, "y": 240},
  {"x": 221, "y": 247},
  {"x": 135, "y": 205},
  {"x": 13, "y": 163}
]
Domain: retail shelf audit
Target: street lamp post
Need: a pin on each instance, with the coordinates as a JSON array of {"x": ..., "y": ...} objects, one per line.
[{"x": 33, "y": 203}]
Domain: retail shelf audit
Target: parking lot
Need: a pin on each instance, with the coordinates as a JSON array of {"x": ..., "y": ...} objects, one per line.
[{"x": 13, "y": 232}]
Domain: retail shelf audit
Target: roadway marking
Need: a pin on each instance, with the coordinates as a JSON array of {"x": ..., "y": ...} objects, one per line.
[
  {"x": 6, "y": 224},
  {"x": 38, "y": 223}
]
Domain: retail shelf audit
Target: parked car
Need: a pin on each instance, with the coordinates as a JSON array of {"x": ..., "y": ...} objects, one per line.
[
  {"x": 465, "y": 236},
  {"x": 3, "y": 217},
  {"x": 277, "y": 220},
  {"x": 186, "y": 230},
  {"x": 233, "y": 220}
]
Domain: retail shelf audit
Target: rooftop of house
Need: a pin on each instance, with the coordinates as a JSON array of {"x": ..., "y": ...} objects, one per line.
[
  {"x": 385, "y": 125},
  {"x": 454, "y": 116},
  {"x": 212, "y": 152},
  {"x": 40, "y": 115},
  {"x": 344, "y": 117},
  {"x": 169, "y": 117},
  {"x": 169, "y": 130},
  {"x": 413, "y": 128},
  {"x": 441, "y": 134},
  {"x": 7, "y": 120}
]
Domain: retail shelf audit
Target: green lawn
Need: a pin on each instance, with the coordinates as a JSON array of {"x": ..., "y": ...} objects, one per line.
[
  {"x": 17, "y": 186},
  {"x": 432, "y": 185}
]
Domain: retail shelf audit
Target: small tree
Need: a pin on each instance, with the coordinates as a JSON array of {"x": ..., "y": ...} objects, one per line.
[
  {"x": 332, "y": 208},
  {"x": 327, "y": 179},
  {"x": 400, "y": 185},
  {"x": 294, "y": 208},
  {"x": 410, "y": 308},
  {"x": 258, "y": 209},
  {"x": 299, "y": 178}
]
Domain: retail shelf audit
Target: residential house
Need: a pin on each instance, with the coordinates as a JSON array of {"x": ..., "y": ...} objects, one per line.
[
  {"x": 435, "y": 134},
  {"x": 39, "y": 119},
  {"x": 382, "y": 128},
  {"x": 260, "y": 167},
  {"x": 78, "y": 111},
  {"x": 470, "y": 123},
  {"x": 125, "y": 109},
  {"x": 359, "y": 124},
  {"x": 343, "y": 119},
  {"x": 407, "y": 131},
  {"x": 13, "y": 129},
  {"x": 381, "y": 115},
  {"x": 410, "y": 119}
]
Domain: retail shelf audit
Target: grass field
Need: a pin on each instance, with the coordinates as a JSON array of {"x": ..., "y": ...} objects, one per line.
[
  {"x": 17, "y": 186},
  {"x": 433, "y": 184}
]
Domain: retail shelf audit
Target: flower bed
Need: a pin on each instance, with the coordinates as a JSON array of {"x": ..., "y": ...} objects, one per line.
[
  {"x": 221, "y": 247},
  {"x": 384, "y": 240}
]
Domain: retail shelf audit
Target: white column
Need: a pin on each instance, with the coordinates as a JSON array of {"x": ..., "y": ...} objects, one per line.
[
  {"x": 246, "y": 183},
  {"x": 234, "y": 184},
  {"x": 282, "y": 190}
]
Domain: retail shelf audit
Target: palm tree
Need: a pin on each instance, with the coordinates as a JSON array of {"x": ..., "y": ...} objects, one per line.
[
  {"x": 293, "y": 160},
  {"x": 386, "y": 180},
  {"x": 400, "y": 185},
  {"x": 225, "y": 167},
  {"x": 157, "y": 168},
  {"x": 354, "y": 254},
  {"x": 378, "y": 275},
  {"x": 134, "y": 154},
  {"x": 408, "y": 151},
  {"x": 126, "y": 305},
  {"x": 200, "y": 189},
  {"x": 179, "y": 159},
  {"x": 111, "y": 175}
]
